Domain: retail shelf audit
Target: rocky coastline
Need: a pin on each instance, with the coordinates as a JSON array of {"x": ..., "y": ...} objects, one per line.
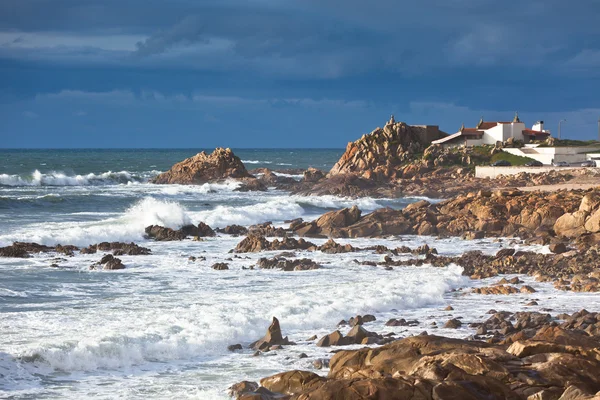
[{"x": 523, "y": 355}]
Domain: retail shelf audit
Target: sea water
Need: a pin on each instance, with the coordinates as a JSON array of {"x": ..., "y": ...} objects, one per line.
[{"x": 161, "y": 327}]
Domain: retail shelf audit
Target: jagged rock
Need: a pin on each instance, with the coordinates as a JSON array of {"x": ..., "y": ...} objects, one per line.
[
  {"x": 234, "y": 230},
  {"x": 14, "y": 252},
  {"x": 332, "y": 222},
  {"x": 202, "y": 168},
  {"x": 118, "y": 249},
  {"x": 266, "y": 229},
  {"x": 162, "y": 234},
  {"x": 251, "y": 185},
  {"x": 255, "y": 243},
  {"x": 220, "y": 266},
  {"x": 302, "y": 264},
  {"x": 108, "y": 262},
  {"x": 272, "y": 338},
  {"x": 378, "y": 155},
  {"x": 331, "y": 247},
  {"x": 292, "y": 382},
  {"x": 313, "y": 175}
]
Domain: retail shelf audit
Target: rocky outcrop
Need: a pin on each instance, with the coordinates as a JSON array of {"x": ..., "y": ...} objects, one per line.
[
  {"x": 535, "y": 216},
  {"x": 162, "y": 234},
  {"x": 284, "y": 264},
  {"x": 234, "y": 230},
  {"x": 378, "y": 155},
  {"x": 536, "y": 359},
  {"x": 255, "y": 243},
  {"x": 202, "y": 168},
  {"x": 23, "y": 249},
  {"x": 313, "y": 175},
  {"x": 118, "y": 249}
]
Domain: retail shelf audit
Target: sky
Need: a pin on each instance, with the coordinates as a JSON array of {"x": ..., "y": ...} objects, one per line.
[{"x": 280, "y": 73}]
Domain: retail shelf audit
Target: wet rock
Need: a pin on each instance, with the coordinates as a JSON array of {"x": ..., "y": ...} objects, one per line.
[
  {"x": 333, "y": 339},
  {"x": 558, "y": 248},
  {"x": 313, "y": 175},
  {"x": 255, "y": 243},
  {"x": 234, "y": 347},
  {"x": 242, "y": 388},
  {"x": 14, "y": 252},
  {"x": 118, "y": 249},
  {"x": 331, "y": 247},
  {"x": 234, "y": 230},
  {"x": 302, "y": 264},
  {"x": 220, "y": 266},
  {"x": 162, "y": 234},
  {"x": 453, "y": 324},
  {"x": 108, "y": 262},
  {"x": 273, "y": 337}
]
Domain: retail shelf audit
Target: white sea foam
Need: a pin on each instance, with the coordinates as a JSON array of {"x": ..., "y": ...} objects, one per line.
[
  {"x": 128, "y": 227},
  {"x": 278, "y": 209},
  {"x": 205, "y": 324},
  {"x": 38, "y": 178},
  {"x": 256, "y": 162}
]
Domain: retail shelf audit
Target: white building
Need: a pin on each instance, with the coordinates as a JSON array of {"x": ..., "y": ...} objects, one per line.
[{"x": 493, "y": 132}]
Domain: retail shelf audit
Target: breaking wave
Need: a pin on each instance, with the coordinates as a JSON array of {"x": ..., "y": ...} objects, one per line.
[{"x": 38, "y": 178}]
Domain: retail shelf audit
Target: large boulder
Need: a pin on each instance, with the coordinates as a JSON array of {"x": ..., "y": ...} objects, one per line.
[
  {"x": 331, "y": 222},
  {"x": 571, "y": 224},
  {"x": 202, "y": 168}
]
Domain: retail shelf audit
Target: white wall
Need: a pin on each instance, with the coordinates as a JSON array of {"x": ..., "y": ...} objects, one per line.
[
  {"x": 547, "y": 154},
  {"x": 493, "y": 135},
  {"x": 494, "y": 172}
]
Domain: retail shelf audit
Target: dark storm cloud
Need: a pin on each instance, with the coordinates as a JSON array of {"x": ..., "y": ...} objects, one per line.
[
  {"x": 188, "y": 31},
  {"x": 330, "y": 38}
]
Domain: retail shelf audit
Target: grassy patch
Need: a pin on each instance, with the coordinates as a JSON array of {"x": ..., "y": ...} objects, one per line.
[
  {"x": 571, "y": 143},
  {"x": 511, "y": 158}
]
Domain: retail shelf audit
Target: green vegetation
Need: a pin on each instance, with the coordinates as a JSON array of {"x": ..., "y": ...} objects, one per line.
[
  {"x": 514, "y": 160},
  {"x": 569, "y": 143}
]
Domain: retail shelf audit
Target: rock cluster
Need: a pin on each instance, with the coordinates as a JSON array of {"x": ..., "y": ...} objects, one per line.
[
  {"x": 162, "y": 234},
  {"x": 256, "y": 243},
  {"x": 284, "y": 264},
  {"x": 542, "y": 216},
  {"x": 24, "y": 249},
  {"x": 202, "y": 168},
  {"x": 537, "y": 359},
  {"x": 118, "y": 249}
]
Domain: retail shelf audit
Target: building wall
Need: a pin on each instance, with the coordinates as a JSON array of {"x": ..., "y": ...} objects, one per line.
[
  {"x": 494, "y": 172},
  {"x": 430, "y": 132},
  {"x": 547, "y": 155},
  {"x": 493, "y": 135}
]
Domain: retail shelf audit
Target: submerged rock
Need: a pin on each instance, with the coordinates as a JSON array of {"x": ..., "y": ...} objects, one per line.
[{"x": 108, "y": 262}]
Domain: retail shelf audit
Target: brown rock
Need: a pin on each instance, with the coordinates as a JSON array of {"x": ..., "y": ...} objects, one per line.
[
  {"x": 272, "y": 338},
  {"x": 202, "y": 168}
]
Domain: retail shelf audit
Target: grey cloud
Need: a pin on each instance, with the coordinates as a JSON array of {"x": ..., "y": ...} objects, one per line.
[{"x": 188, "y": 31}]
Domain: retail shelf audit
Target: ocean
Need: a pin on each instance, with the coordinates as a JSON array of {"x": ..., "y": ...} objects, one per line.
[{"x": 160, "y": 328}]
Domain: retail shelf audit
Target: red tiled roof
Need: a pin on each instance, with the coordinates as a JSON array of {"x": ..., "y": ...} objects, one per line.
[
  {"x": 536, "y": 133},
  {"x": 487, "y": 125}
]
